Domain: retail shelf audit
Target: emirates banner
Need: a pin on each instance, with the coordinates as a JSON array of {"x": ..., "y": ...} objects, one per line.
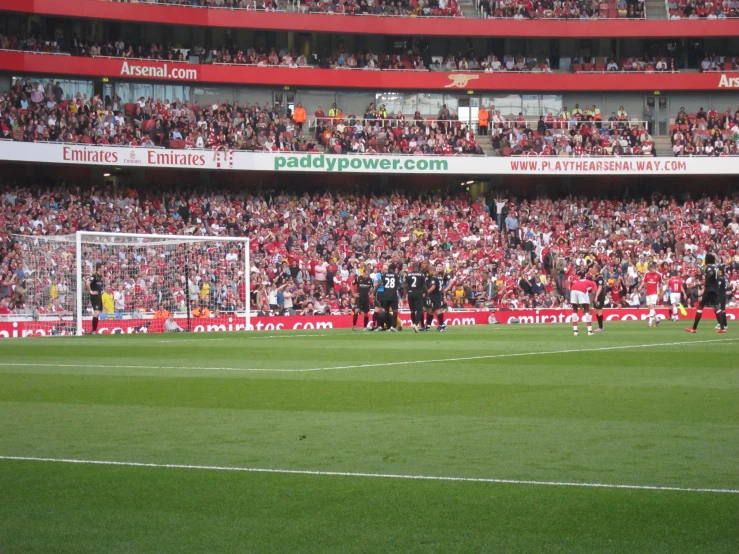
[
  {"x": 22, "y": 328},
  {"x": 111, "y": 156},
  {"x": 558, "y": 315}
]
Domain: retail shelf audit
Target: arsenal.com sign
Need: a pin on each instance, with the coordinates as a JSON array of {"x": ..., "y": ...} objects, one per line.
[
  {"x": 728, "y": 82},
  {"x": 152, "y": 70}
]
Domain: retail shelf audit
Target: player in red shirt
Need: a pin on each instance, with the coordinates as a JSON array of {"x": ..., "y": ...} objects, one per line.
[
  {"x": 652, "y": 281},
  {"x": 677, "y": 288},
  {"x": 581, "y": 292}
]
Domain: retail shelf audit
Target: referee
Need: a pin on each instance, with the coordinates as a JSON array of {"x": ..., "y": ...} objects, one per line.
[{"x": 96, "y": 287}]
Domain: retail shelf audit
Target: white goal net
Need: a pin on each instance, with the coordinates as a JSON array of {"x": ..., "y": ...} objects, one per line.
[{"x": 197, "y": 283}]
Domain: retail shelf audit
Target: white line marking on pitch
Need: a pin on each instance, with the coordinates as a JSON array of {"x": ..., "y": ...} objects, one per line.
[
  {"x": 75, "y": 341},
  {"x": 372, "y": 475},
  {"x": 363, "y": 366}
]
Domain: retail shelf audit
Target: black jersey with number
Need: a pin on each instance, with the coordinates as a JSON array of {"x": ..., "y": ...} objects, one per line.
[
  {"x": 415, "y": 282},
  {"x": 711, "y": 284},
  {"x": 364, "y": 286},
  {"x": 389, "y": 284},
  {"x": 96, "y": 283},
  {"x": 435, "y": 284}
]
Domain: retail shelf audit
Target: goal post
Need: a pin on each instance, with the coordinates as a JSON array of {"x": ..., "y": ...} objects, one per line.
[{"x": 145, "y": 278}]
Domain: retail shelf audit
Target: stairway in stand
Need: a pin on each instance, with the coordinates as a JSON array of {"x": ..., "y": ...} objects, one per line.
[
  {"x": 656, "y": 9},
  {"x": 662, "y": 146},
  {"x": 468, "y": 9}
]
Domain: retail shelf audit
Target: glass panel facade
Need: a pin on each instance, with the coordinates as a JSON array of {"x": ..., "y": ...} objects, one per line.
[
  {"x": 70, "y": 86},
  {"x": 131, "y": 92},
  {"x": 551, "y": 103}
]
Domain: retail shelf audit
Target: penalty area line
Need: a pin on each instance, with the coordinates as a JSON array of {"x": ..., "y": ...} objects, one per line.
[
  {"x": 519, "y": 354},
  {"x": 372, "y": 475},
  {"x": 366, "y": 366}
]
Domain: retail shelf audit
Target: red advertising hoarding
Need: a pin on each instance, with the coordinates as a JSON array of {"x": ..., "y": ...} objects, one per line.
[
  {"x": 20, "y": 329},
  {"x": 405, "y": 26},
  {"x": 118, "y": 68}
]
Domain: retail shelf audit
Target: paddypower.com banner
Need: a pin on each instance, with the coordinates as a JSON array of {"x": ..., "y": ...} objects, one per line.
[
  {"x": 234, "y": 160},
  {"x": 321, "y": 162}
]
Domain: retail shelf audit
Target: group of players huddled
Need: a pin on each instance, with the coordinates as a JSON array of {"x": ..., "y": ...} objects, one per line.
[
  {"x": 423, "y": 284},
  {"x": 589, "y": 290}
]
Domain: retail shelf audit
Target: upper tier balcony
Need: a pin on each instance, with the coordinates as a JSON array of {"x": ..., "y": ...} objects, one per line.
[{"x": 584, "y": 19}]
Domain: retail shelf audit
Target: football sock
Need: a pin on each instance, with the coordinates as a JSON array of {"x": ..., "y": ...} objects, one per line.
[
  {"x": 720, "y": 315},
  {"x": 574, "y": 322},
  {"x": 366, "y": 320},
  {"x": 652, "y": 316},
  {"x": 354, "y": 319},
  {"x": 600, "y": 321},
  {"x": 698, "y": 315},
  {"x": 440, "y": 317},
  {"x": 94, "y": 324},
  {"x": 429, "y": 319},
  {"x": 674, "y": 311},
  {"x": 376, "y": 319}
]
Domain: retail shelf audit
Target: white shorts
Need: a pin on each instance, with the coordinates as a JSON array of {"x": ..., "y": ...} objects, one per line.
[
  {"x": 579, "y": 298},
  {"x": 675, "y": 298},
  {"x": 652, "y": 299}
]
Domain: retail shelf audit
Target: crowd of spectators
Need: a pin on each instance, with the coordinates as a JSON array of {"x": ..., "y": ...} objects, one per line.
[
  {"x": 706, "y": 133},
  {"x": 306, "y": 250},
  {"x": 720, "y": 63},
  {"x": 412, "y": 59},
  {"x": 642, "y": 64},
  {"x": 698, "y": 9},
  {"x": 580, "y": 132},
  {"x": 562, "y": 9},
  {"x": 406, "y": 8},
  {"x": 380, "y": 132},
  {"x": 34, "y": 111}
]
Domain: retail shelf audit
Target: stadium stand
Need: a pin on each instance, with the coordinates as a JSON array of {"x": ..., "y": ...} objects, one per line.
[{"x": 509, "y": 253}]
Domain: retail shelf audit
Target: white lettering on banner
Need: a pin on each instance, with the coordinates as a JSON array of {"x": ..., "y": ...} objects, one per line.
[
  {"x": 162, "y": 71},
  {"x": 728, "y": 82},
  {"x": 17, "y": 329},
  {"x": 42, "y": 152},
  {"x": 557, "y": 315}
]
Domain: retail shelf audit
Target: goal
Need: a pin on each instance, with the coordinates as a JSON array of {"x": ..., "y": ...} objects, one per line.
[{"x": 202, "y": 282}]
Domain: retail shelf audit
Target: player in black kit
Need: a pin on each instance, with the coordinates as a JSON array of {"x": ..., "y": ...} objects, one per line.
[
  {"x": 723, "y": 287},
  {"x": 415, "y": 284},
  {"x": 96, "y": 287},
  {"x": 600, "y": 296},
  {"x": 709, "y": 296},
  {"x": 435, "y": 294},
  {"x": 363, "y": 286},
  {"x": 388, "y": 297}
]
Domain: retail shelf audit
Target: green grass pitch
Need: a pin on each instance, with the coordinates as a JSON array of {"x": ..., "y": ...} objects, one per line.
[{"x": 632, "y": 406}]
